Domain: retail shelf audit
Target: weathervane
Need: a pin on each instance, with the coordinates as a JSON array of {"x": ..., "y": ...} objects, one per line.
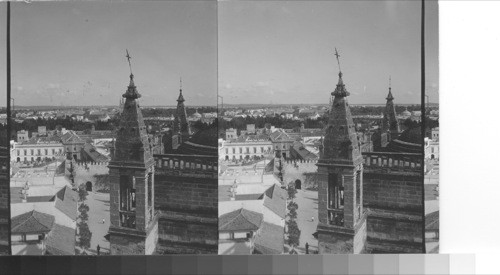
[
  {"x": 128, "y": 59},
  {"x": 389, "y": 82},
  {"x": 180, "y": 83},
  {"x": 337, "y": 55}
]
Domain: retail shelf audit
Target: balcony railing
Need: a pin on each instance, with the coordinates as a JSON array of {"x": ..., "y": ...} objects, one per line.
[
  {"x": 336, "y": 217},
  {"x": 188, "y": 165},
  {"x": 403, "y": 162}
]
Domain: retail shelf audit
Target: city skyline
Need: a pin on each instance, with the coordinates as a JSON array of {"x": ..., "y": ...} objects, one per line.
[
  {"x": 283, "y": 51},
  {"x": 166, "y": 40}
]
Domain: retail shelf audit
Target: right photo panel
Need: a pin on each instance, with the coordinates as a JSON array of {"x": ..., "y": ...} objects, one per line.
[{"x": 321, "y": 128}]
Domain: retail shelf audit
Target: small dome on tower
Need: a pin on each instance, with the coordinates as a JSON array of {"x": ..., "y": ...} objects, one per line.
[
  {"x": 196, "y": 114},
  {"x": 406, "y": 113}
]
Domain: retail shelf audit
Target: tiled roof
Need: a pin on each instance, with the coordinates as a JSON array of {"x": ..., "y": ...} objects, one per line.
[
  {"x": 275, "y": 200},
  {"x": 32, "y": 222},
  {"x": 240, "y": 219},
  {"x": 249, "y": 138},
  {"x": 303, "y": 152},
  {"x": 45, "y": 139},
  {"x": 93, "y": 154},
  {"x": 270, "y": 239},
  {"x": 40, "y": 198},
  {"x": 280, "y": 136},
  {"x": 71, "y": 137},
  {"x": 61, "y": 241},
  {"x": 66, "y": 202},
  {"x": 246, "y": 197}
]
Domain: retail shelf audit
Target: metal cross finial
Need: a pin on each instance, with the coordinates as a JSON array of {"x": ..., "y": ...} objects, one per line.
[
  {"x": 180, "y": 82},
  {"x": 128, "y": 58},
  {"x": 337, "y": 55},
  {"x": 389, "y": 81}
]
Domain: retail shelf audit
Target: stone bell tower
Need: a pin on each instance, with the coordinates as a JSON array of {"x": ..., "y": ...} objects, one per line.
[
  {"x": 134, "y": 223},
  {"x": 342, "y": 221},
  {"x": 390, "y": 122}
]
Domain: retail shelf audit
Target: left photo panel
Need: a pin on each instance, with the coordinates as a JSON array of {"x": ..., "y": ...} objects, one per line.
[
  {"x": 113, "y": 141},
  {"x": 4, "y": 140}
]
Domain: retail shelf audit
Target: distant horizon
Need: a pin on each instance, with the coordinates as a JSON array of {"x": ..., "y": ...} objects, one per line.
[{"x": 209, "y": 106}]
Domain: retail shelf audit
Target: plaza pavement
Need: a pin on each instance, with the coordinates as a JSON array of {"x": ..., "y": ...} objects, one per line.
[
  {"x": 98, "y": 209},
  {"x": 308, "y": 208}
]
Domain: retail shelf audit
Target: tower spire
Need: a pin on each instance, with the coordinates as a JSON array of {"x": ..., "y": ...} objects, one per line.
[
  {"x": 340, "y": 90},
  {"x": 389, "y": 95},
  {"x": 181, "y": 97},
  {"x": 181, "y": 125},
  {"x": 338, "y": 61},
  {"x": 390, "y": 122},
  {"x": 131, "y": 92},
  {"x": 128, "y": 59}
]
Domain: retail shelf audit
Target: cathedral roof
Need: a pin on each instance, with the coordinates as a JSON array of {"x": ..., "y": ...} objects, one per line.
[
  {"x": 203, "y": 142},
  {"x": 412, "y": 135},
  {"x": 410, "y": 141}
]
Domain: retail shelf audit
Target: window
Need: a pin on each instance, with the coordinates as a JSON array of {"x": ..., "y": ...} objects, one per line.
[
  {"x": 262, "y": 149},
  {"x": 46, "y": 151},
  {"x": 53, "y": 151},
  {"x": 32, "y": 152},
  {"x": 127, "y": 201},
  {"x": 39, "y": 152},
  {"x": 358, "y": 194},
  {"x": 335, "y": 200},
  {"x": 335, "y": 192},
  {"x": 25, "y": 152},
  {"x": 18, "y": 152},
  {"x": 227, "y": 151},
  {"x": 150, "y": 194},
  {"x": 241, "y": 150},
  {"x": 234, "y": 150},
  {"x": 248, "y": 150},
  {"x": 254, "y": 150}
]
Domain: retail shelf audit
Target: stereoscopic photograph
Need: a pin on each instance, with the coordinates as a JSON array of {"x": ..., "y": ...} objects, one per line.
[
  {"x": 321, "y": 128},
  {"x": 114, "y": 130},
  {"x": 219, "y": 127}
]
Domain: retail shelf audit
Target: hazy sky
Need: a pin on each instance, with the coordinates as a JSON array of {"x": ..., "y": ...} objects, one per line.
[
  {"x": 73, "y": 53},
  {"x": 282, "y": 52}
]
